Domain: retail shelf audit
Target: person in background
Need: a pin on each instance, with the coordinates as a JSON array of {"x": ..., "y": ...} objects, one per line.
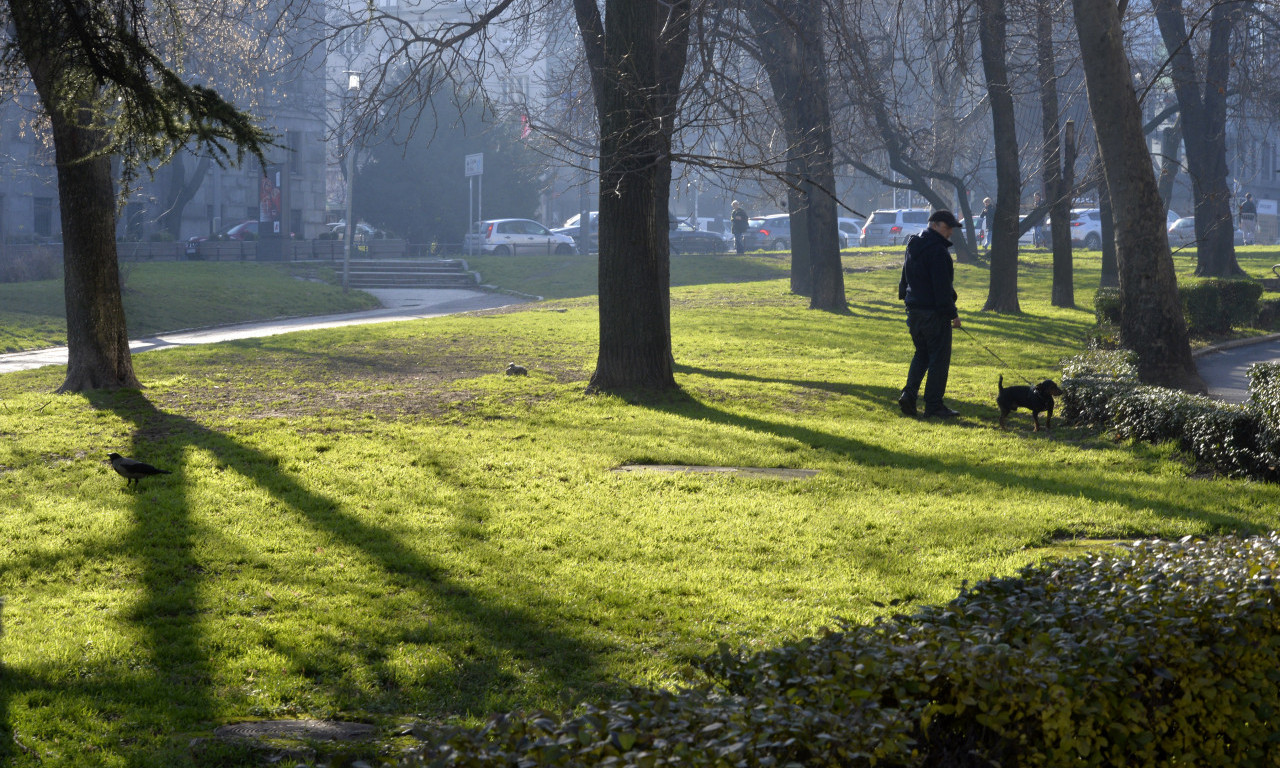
[
  {"x": 988, "y": 213},
  {"x": 738, "y": 220},
  {"x": 926, "y": 288},
  {"x": 1249, "y": 219}
]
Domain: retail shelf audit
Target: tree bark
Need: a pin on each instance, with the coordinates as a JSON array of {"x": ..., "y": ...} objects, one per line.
[
  {"x": 1110, "y": 274},
  {"x": 790, "y": 35},
  {"x": 180, "y": 191},
  {"x": 637, "y": 56},
  {"x": 1063, "y": 292},
  {"x": 1202, "y": 101},
  {"x": 1002, "y": 295},
  {"x": 97, "y": 339},
  {"x": 1151, "y": 322}
]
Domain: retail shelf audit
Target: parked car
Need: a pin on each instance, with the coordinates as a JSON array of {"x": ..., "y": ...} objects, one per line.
[
  {"x": 893, "y": 226},
  {"x": 513, "y": 237},
  {"x": 685, "y": 239},
  {"x": 572, "y": 221},
  {"x": 1086, "y": 228},
  {"x": 773, "y": 232},
  {"x": 851, "y": 228},
  {"x": 364, "y": 231},
  {"x": 245, "y": 230},
  {"x": 590, "y": 245},
  {"x": 1183, "y": 233}
]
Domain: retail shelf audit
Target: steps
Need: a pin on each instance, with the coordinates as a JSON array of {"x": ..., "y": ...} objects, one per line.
[{"x": 410, "y": 273}]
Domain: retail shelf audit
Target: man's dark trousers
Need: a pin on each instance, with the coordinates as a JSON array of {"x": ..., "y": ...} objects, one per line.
[{"x": 931, "y": 335}]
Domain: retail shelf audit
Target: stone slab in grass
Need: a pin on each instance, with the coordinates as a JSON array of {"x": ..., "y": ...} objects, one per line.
[
  {"x": 301, "y": 730},
  {"x": 778, "y": 473}
]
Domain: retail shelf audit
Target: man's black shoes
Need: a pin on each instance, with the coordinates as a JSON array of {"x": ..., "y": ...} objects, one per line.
[
  {"x": 942, "y": 412},
  {"x": 907, "y": 404}
]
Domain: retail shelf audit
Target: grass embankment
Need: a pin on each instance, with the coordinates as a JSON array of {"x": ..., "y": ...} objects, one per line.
[
  {"x": 169, "y": 296},
  {"x": 375, "y": 523}
]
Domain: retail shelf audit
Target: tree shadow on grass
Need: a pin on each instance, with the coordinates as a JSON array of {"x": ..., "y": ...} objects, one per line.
[
  {"x": 964, "y": 471},
  {"x": 173, "y": 611}
]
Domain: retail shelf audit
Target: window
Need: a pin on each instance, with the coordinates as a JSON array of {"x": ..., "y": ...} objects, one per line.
[{"x": 42, "y": 220}]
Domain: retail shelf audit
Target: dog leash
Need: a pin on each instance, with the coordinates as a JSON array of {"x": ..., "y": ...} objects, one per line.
[{"x": 993, "y": 354}]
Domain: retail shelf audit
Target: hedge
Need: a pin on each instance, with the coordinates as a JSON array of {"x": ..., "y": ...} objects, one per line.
[
  {"x": 1149, "y": 655},
  {"x": 1208, "y": 305},
  {"x": 1214, "y": 306},
  {"x": 1101, "y": 388}
]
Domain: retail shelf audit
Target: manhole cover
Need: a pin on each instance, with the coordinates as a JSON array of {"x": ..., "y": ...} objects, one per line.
[
  {"x": 308, "y": 730},
  {"x": 781, "y": 473}
]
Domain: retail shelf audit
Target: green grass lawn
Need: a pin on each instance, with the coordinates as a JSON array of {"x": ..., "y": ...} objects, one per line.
[
  {"x": 170, "y": 296},
  {"x": 374, "y": 523}
]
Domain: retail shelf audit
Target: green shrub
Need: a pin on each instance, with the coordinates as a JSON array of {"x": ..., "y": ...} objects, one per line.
[
  {"x": 1161, "y": 653},
  {"x": 1268, "y": 317},
  {"x": 21, "y": 265},
  {"x": 1091, "y": 379},
  {"x": 1106, "y": 306},
  {"x": 1239, "y": 440},
  {"x": 1214, "y": 306},
  {"x": 1264, "y": 392}
]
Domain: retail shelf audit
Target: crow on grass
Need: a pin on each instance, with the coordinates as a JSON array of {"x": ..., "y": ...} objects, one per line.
[{"x": 133, "y": 470}]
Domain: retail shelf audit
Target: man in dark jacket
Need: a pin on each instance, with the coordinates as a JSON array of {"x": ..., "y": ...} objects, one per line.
[
  {"x": 926, "y": 288},
  {"x": 739, "y": 220}
]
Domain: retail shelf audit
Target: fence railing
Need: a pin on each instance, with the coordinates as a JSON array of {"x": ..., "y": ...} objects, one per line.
[{"x": 241, "y": 250}]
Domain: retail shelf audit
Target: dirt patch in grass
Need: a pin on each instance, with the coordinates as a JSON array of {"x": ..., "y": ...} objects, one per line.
[{"x": 380, "y": 382}]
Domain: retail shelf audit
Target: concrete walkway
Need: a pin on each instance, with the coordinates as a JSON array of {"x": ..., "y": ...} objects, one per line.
[
  {"x": 1224, "y": 367},
  {"x": 397, "y": 304}
]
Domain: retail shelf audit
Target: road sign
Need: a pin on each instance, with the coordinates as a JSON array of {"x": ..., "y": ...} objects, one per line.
[{"x": 475, "y": 164}]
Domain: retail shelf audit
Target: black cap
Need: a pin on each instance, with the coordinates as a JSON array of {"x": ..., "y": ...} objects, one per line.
[{"x": 946, "y": 217}]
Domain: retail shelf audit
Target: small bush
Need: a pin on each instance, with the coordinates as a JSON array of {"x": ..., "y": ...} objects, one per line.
[
  {"x": 1214, "y": 306},
  {"x": 1238, "y": 440},
  {"x": 1264, "y": 392},
  {"x": 27, "y": 263},
  {"x": 1161, "y": 653},
  {"x": 1106, "y": 306},
  {"x": 1268, "y": 318},
  {"x": 1090, "y": 381}
]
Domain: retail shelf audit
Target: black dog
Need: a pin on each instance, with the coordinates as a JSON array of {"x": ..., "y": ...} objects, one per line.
[{"x": 1037, "y": 399}]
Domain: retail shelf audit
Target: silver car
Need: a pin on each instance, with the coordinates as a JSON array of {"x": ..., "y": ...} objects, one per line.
[
  {"x": 513, "y": 237},
  {"x": 893, "y": 226}
]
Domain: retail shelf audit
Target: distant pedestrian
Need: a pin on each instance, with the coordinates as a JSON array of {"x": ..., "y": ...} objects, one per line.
[
  {"x": 926, "y": 288},
  {"x": 1249, "y": 219},
  {"x": 988, "y": 213},
  {"x": 1039, "y": 233},
  {"x": 738, "y": 221}
]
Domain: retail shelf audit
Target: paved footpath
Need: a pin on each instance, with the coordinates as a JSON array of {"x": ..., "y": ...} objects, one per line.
[
  {"x": 397, "y": 304},
  {"x": 1225, "y": 368}
]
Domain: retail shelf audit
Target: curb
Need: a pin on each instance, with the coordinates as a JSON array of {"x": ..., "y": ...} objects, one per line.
[{"x": 1233, "y": 344}]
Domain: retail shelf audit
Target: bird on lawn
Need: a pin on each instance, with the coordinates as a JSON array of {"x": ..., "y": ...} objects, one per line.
[{"x": 133, "y": 470}]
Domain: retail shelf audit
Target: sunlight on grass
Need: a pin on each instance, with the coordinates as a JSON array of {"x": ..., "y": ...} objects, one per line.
[{"x": 375, "y": 523}]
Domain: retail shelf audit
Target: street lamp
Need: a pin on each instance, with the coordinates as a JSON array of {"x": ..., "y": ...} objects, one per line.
[{"x": 353, "y": 89}]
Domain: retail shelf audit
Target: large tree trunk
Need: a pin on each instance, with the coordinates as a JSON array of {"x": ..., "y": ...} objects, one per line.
[
  {"x": 1170, "y": 140},
  {"x": 1110, "y": 275},
  {"x": 1003, "y": 293},
  {"x": 1063, "y": 293},
  {"x": 97, "y": 340},
  {"x": 637, "y": 56},
  {"x": 790, "y": 35},
  {"x": 1151, "y": 322},
  {"x": 1203, "y": 105},
  {"x": 180, "y": 191}
]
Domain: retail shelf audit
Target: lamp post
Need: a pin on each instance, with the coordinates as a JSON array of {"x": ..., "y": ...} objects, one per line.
[{"x": 349, "y": 233}]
